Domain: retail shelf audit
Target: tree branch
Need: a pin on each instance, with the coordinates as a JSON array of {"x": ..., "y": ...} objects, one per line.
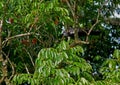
[
  {"x": 13, "y": 69},
  {"x": 79, "y": 42},
  {"x": 27, "y": 70},
  {"x": 16, "y": 36},
  {"x": 29, "y": 57},
  {"x": 70, "y": 8},
  {"x": 97, "y": 20}
]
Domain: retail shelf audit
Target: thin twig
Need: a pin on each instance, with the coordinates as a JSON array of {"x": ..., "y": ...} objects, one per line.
[
  {"x": 34, "y": 22},
  {"x": 97, "y": 20},
  {"x": 12, "y": 66},
  {"x": 25, "y": 66},
  {"x": 1, "y": 24},
  {"x": 70, "y": 8},
  {"x": 94, "y": 24},
  {"x": 84, "y": 31},
  {"x": 30, "y": 57}
]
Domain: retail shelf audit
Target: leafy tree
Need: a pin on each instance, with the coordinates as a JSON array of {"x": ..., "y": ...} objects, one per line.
[
  {"x": 30, "y": 26},
  {"x": 62, "y": 65}
]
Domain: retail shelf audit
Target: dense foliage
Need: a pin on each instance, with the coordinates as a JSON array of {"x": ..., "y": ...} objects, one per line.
[
  {"x": 64, "y": 65},
  {"x": 52, "y": 42}
]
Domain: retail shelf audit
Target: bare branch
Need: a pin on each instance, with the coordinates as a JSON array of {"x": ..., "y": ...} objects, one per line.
[
  {"x": 16, "y": 36},
  {"x": 93, "y": 25},
  {"x": 27, "y": 70},
  {"x": 97, "y": 20},
  {"x": 30, "y": 57},
  {"x": 78, "y": 43},
  {"x": 1, "y": 24},
  {"x": 113, "y": 21}
]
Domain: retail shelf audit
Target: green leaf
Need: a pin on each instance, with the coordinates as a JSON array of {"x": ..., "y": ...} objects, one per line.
[
  {"x": 87, "y": 76},
  {"x": 83, "y": 81},
  {"x": 77, "y": 49},
  {"x": 63, "y": 46},
  {"x": 97, "y": 58},
  {"x": 116, "y": 54}
]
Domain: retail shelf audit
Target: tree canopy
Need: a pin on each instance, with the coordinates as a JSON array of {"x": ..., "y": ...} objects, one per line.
[{"x": 53, "y": 42}]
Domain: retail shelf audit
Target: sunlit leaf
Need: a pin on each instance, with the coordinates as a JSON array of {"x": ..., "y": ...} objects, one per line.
[{"x": 116, "y": 54}]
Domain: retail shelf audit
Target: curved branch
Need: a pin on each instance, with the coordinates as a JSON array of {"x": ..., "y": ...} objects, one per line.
[
  {"x": 16, "y": 36},
  {"x": 97, "y": 21},
  {"x": 29, "y": 57}
]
